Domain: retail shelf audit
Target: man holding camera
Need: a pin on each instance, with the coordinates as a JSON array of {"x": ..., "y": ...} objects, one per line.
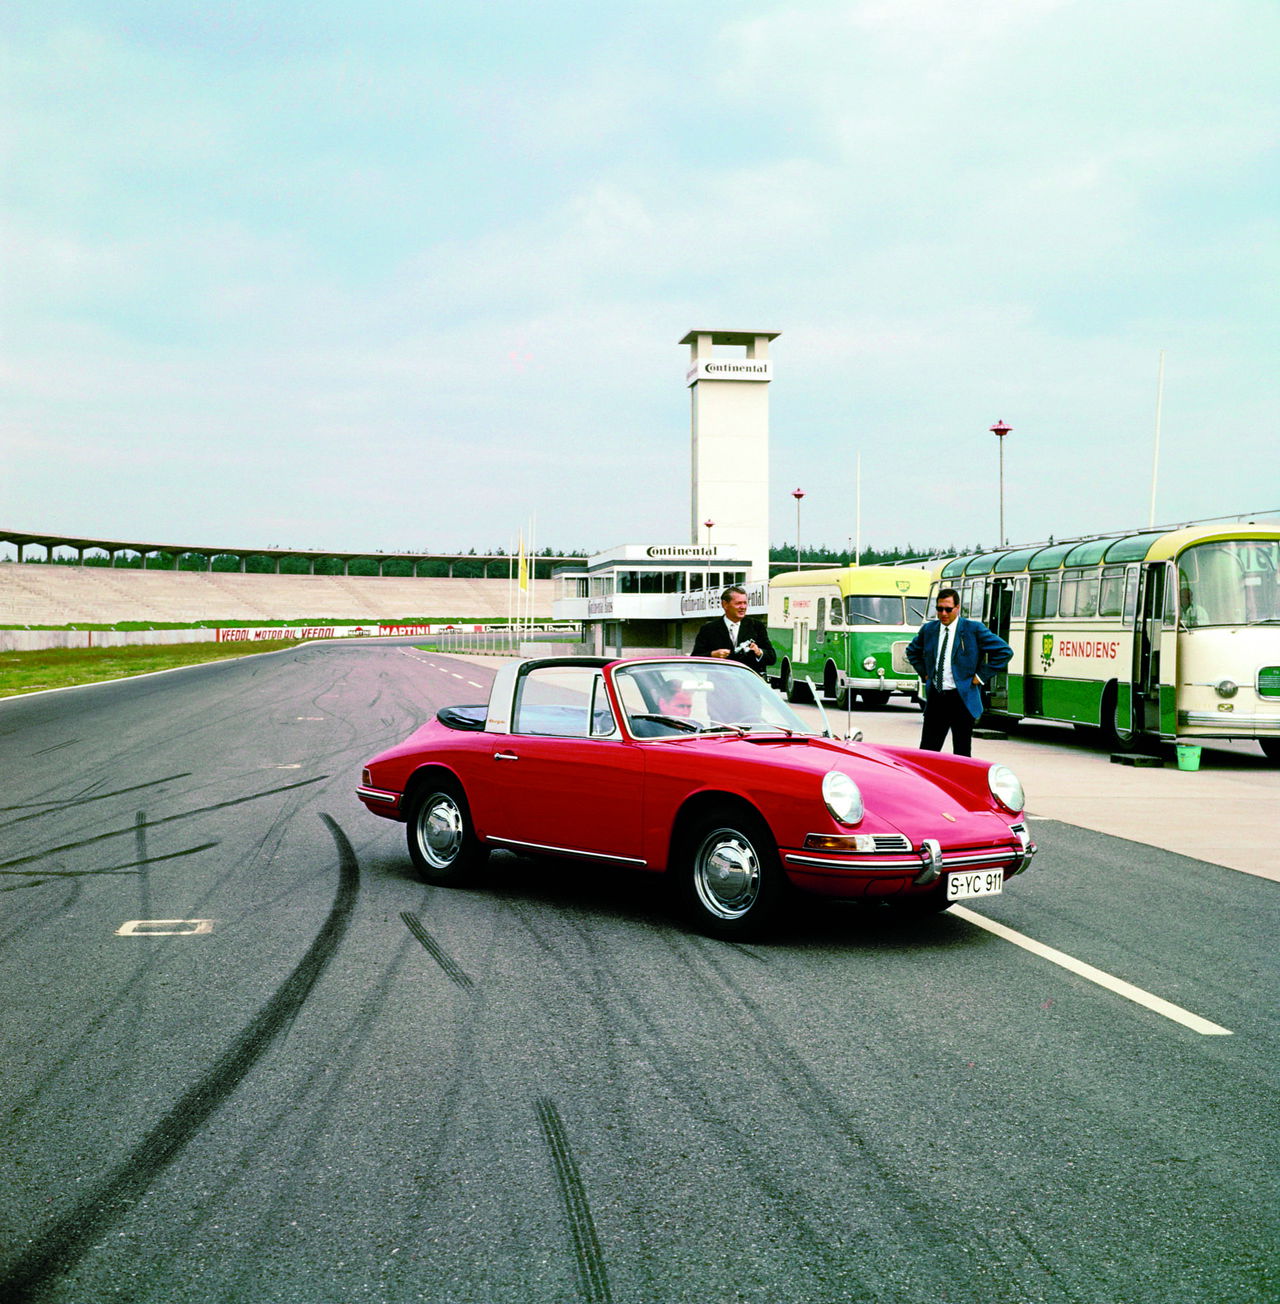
[{"x": 735, "y": 636}]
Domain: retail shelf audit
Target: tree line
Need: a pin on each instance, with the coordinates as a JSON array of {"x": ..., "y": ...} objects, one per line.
[{"x": 462, "y": 566}]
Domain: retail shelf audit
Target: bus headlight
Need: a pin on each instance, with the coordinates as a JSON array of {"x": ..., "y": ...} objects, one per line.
[
  {"x": 843, "y": 799},
  {"x": 868, "y": 663},
  {"x": 1005, "y": 788},
  {"x": 1226, "y": 688}
]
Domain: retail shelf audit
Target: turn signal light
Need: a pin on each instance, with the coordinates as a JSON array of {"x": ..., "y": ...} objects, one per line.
[{"x": 840, "y": 842}]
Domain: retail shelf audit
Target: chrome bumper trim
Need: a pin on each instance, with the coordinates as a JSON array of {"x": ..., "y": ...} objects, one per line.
[
  {"x": 948, "y": 860},
  {"x": 563, "y": 851},
  {"x": 377, "y": 794},
  {"x": 1231, "y": 725}
]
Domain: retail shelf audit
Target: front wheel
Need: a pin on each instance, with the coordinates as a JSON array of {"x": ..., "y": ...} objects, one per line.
[
  {"x": 1270, "y": 749},
  {"x": 876, "y": 697},
  {"x": 1118, "y": 733},
  {"x": 442, "y": 844},
  {"x": 732, "y": 883}
]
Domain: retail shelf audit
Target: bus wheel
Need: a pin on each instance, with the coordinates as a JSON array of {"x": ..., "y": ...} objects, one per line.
[
  {"x": 1270, "y": 749},
  {"x": 876, "y": 697},
  {"x": 796, "y": 691},
  {"x": 1117, "y": 737}
]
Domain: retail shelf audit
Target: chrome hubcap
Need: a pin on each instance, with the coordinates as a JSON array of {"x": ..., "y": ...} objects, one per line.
[
  {"x": 726, "y": 874},
  {"x": 440, "y": 830}
]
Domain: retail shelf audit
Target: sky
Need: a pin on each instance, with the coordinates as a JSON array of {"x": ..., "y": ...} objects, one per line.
[{"x": 412, "y": 276}]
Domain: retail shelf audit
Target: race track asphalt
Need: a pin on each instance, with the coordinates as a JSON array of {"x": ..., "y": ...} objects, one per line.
[{"x": 327, "y": 1082}]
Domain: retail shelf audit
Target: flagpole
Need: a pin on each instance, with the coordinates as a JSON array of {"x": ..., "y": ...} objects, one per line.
[
  {"x": 1155, "y": 454},
  {"x": 857, "y": 543}
]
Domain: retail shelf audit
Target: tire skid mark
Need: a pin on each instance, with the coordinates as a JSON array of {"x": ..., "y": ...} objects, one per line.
[
  {"x": 436, "y": 951},
  {"x": 586, "y": 1244},
  {"x": 127, "y": 868},
  {"x": 621, "y": 1011},
  {"x": 164, "y": 819},
  {"x": 828, "y": 1114},
  {"x": 54, "y": 805},
  {"x": 57, "y": 747},
  {"x": 73, "y": 1235}
]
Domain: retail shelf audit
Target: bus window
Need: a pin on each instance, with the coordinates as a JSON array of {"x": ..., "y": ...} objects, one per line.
[
  {"x": 866, "y": 609},
  {"x": 1019, "y": 599},
  {"x": 917, "y": 611},
  {"x": 1131, "y": 595},
  {"x": 1111, "y": 594},
  {"x": 1044, "y": 596},
  {"x": 975, "y": 594},
  {"x": 1233, "y": 582},
  {"x": 820, "y": 624},
  {"x": 1079, "y": 593},
  {"x": 833, "y": 616}
]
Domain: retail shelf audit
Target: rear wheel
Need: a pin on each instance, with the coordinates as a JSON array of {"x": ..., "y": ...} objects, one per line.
[
  {"x": 731, "y": 881},
  {"x": 796, "y": 690},
  {"x": 1117, "y": 734},
  {"x": 442, "y": 844}
]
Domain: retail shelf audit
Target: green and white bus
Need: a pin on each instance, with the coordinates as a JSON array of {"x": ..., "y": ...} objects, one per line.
[
  {"x": 1149, "y": 637},
  {"x": 847, "y": 628}
]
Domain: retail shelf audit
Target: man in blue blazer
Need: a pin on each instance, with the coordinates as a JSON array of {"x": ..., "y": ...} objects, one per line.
[{"x": 954, "y": 657}]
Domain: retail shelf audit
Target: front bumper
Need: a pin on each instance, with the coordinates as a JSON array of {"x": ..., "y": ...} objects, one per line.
[
  {"x": 1229, "y": 724},
  {"x": 902, "y": 869}
]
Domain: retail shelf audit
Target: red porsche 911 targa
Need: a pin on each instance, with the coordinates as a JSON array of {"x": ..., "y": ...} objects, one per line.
[{"x": 696, "y": 769}]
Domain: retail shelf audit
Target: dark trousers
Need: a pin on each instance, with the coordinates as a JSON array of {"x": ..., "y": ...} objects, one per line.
[{"x": 946, "y": 713}]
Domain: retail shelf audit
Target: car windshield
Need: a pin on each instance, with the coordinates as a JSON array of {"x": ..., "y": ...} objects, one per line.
[{"x": 663, "y": 699}]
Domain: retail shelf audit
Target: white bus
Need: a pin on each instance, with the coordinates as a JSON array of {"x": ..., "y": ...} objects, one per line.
[{"x": 1149, "y": 636}]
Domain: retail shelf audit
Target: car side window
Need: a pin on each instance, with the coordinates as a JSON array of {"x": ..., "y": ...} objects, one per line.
[{"x": 563, "y": 702}]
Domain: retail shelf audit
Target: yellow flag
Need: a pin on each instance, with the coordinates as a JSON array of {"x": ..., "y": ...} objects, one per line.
[{"x": 524, "y": 567}]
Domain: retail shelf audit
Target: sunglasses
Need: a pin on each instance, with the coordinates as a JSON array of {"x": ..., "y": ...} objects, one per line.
[{"x": 942, "y": 608}]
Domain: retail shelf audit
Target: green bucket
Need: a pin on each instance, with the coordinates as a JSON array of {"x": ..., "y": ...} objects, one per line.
[{"x": 1188, "y": 756}]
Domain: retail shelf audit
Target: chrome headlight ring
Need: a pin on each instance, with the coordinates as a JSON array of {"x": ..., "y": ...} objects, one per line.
[
  {"x": 1006, "y": 788},
  {"x": 842, "y": 797}
]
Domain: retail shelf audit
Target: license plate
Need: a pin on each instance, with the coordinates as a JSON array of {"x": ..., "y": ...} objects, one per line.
[{"x": 982, "y": 882}]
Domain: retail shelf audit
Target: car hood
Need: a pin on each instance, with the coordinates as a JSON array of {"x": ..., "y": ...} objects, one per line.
[{"x": 908, "y": 790}]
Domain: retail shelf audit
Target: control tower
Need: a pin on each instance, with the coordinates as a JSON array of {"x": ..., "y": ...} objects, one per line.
[{"x": 730, "y": 441}]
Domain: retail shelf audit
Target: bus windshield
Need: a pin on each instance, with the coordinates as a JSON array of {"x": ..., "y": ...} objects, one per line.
[
  {"x": 1230, "y": 582},
  {"x": 868, "y": 609}
]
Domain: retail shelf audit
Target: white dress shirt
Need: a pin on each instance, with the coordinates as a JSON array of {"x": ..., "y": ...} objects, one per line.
[{"x": 946, "y": 646}]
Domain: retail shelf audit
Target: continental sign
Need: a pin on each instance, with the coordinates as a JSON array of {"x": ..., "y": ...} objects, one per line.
[{"x": 730, "y": 369}]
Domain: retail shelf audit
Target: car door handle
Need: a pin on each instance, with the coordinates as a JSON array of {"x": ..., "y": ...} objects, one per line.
[{"x": 505, "y": 756}]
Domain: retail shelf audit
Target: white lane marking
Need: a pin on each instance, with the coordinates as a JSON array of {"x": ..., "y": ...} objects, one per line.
[
  {"x": 1111, "y": 983},
  {"x": 164, "y": 927}
]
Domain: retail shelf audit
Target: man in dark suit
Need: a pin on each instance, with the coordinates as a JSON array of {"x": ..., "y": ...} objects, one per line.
[
  {"x": 735, "y": 636},
  {"x": 954, "y": 657}
]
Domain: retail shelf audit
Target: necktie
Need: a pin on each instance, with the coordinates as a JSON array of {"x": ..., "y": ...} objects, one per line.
[{"x": 942, "y": 655}]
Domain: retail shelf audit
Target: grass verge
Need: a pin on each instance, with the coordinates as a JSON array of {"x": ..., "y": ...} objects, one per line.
[{"x": 64, "y": 667}]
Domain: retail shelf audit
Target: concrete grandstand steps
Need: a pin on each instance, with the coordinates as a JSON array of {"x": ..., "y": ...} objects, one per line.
[{"x": 40, "y": 594}]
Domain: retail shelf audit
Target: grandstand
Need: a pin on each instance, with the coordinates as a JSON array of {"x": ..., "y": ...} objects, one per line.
[{"x": 42, "y": 594}]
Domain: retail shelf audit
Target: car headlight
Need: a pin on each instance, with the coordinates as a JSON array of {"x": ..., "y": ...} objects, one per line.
[
  {"x": 1005, "y": 788},
  {"x": 843, "y": 799},
  {"x": 868, "y": 663},
  {"x": 1226, "y": 688}
]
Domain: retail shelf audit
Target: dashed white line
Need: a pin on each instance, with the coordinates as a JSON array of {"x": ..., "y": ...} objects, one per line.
[{"x": 1103, "y": 979}]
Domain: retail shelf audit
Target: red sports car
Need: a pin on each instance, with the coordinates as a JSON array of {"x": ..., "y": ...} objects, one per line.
[{"x": 696, "y": 769}]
